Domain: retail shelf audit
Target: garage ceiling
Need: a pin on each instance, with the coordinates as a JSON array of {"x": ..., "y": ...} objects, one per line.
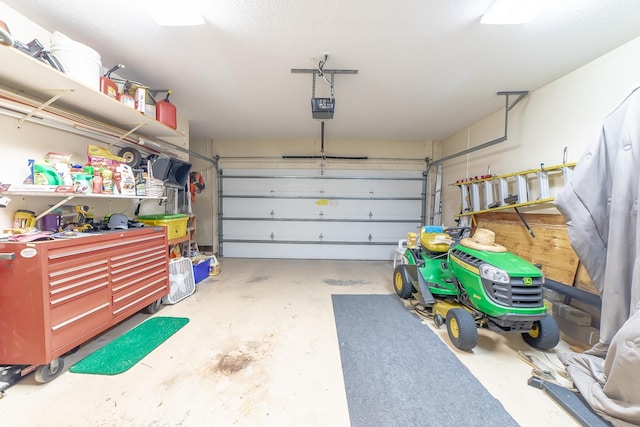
[{"x": 427, "y": 68}]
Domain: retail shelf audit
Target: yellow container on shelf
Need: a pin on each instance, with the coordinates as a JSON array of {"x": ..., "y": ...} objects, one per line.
[
  {"x": 411, "y": 240},
  {"x": 176, "y": 223}
]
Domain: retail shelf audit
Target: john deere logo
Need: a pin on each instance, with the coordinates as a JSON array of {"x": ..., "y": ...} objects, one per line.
[{"x": 528, "y": 281}]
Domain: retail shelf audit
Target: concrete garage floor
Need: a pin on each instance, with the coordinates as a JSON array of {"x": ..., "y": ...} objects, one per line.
[{"x": 260, "y": 349}]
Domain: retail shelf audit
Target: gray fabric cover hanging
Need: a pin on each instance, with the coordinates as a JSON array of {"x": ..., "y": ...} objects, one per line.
[{"x": 600, "y": 205}]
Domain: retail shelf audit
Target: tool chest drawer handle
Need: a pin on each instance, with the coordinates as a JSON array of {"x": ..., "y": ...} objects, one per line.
[{"x": 7, "y": 256}]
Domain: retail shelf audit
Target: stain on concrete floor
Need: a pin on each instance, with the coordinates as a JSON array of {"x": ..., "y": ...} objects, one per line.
[{"x": 231, "y": 363}]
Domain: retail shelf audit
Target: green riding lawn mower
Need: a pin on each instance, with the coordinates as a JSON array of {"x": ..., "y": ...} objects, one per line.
[{"x": 472, "y": 282}]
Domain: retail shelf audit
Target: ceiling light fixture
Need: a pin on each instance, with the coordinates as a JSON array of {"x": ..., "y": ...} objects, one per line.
[
  {"x": 173, "y": 13},
  {"x": 510, "y": 12}
]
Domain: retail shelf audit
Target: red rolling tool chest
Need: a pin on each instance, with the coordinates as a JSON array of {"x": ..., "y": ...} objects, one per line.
[{"x": 58, "y": 294}]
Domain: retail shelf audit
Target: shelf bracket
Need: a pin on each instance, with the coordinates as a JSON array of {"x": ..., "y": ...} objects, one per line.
[
  {"x": 520, "y": 93},
  {"x": 131, "y": 131},
  {"x": 42, "y": 106},
  {"x": 55, "y": 206}
]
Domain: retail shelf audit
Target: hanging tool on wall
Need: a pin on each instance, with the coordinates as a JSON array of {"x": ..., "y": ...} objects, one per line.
[
  {"x": 524, "y": 222},
  {"x": 196, "y": 184}
]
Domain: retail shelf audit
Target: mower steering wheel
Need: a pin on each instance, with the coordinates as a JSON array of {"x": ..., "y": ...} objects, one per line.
[{"x": 457, "y": 233}]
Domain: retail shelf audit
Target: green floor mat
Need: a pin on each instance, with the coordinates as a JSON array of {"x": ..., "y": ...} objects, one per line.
[{"x": 128, "y": 349}]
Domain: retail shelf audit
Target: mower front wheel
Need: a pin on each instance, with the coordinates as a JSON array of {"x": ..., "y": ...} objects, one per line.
[
  {"x": 462, "y": 329},
  {"x": 544, "y": 335},
  {"x": 402, "y": 282}
]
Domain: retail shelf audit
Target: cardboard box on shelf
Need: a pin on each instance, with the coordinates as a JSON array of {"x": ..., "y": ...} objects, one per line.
[
  {"x": 140, "y": 96},
  {"x": 150, "y": 110}
]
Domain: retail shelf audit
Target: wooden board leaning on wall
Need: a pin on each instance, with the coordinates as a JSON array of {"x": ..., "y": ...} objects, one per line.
[{"x": 550, "y": 247}]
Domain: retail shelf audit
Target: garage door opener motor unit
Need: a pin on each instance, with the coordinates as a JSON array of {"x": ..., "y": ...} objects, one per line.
[{"x": 322, "y": 108}]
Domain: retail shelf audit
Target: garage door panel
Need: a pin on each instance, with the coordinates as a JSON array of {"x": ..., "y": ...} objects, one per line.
[
  {"x": 322, "y": 209},
  {"x": 299, "y": 183},
  {"x": 310, "y": 231},
  {"x": 309, "y": 251}
]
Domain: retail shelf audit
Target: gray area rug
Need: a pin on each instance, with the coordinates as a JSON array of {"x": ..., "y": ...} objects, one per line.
[{"x": 397, "y": 372}]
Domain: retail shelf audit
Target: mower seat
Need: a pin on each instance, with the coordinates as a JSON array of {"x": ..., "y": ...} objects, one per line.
[{"x": 434, "y": 241}]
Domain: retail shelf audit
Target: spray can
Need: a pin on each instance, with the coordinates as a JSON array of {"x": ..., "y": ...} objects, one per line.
[
  {"x": 97, "y": 181},
  {"x": 29, "y": 179}
]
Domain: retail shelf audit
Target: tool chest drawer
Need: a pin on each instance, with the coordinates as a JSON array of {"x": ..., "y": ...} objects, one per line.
[{"x": 57, "y": 294}]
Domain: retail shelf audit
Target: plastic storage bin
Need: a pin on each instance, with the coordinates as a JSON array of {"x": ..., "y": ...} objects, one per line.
[
  {"x": 201, "y": 270},
  {"x": 176, "y": 223}
]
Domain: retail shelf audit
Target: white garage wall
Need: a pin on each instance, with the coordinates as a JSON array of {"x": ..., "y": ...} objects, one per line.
[{"x": 566, "y": 113}]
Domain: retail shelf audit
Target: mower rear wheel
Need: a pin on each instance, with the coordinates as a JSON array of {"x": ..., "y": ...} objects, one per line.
[
  {"x": 462, "y": 329},
  {"x": 402, "y": 283},
  {"x": 544, "y": 335}
]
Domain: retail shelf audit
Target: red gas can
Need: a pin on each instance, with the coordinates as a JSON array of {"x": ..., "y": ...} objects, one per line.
[
  {"x": 166, "y": 112},
  {"x": 108, "y": 86}
]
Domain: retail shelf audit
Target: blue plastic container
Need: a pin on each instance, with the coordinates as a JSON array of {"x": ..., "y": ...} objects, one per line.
[{"x": 201, "y": 270}]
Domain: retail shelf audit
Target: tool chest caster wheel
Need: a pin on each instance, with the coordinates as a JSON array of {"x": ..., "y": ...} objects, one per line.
[
  {"x": 154, "y": 307},
  {"x": 46, "y": 373}
]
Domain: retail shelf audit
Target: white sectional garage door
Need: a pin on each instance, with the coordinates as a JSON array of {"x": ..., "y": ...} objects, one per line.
[{"x": 304, "y": 214}]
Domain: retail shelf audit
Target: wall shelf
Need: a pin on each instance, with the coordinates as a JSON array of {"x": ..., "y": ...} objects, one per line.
[
  {"x": 177, "y": 240},
  {"x": 37, "y": 79},
  {"x": 74, "y": 195}
]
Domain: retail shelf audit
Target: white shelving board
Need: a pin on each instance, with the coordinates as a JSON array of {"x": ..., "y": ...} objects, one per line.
[
  {"x": 38, "y": 79},
  {"x": 73, "y": 195}
]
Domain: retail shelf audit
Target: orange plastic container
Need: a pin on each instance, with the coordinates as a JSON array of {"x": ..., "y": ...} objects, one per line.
[{"x": 108, "y": 87}]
